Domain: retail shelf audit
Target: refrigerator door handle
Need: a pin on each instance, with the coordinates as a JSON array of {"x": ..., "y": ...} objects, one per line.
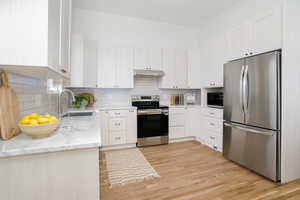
[
  {"x": 242, "y": 89},
  {"x": 246, "y": 89},
  {"x": 252, "y": 130}
]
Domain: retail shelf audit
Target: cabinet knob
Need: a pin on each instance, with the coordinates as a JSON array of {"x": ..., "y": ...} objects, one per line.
[
  {"x": 246, "y": 54},
  {"x": 251, "y": 53},
  {"x": 63, "y": 71}
]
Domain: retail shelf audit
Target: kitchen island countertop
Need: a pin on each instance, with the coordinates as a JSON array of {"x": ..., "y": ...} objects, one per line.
[{"x": 74, "y": 133}]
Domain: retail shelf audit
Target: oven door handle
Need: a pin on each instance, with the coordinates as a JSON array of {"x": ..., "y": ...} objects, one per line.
[{"x": 149, "y": 112}]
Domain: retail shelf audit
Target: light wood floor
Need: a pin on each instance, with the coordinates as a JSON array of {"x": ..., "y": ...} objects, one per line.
[{"x": 191, "y": 171}]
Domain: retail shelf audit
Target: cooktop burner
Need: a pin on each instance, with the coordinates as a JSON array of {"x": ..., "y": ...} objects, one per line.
[{"x": 146, "y": 102}]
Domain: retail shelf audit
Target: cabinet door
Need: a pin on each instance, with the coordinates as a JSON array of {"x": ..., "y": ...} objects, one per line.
[
  {"x": 90, "y": 64},
  {"x": 65, "y": 32},
  {"x": 213, "y": 55},
  {"x": 194, "y": 69},
  {"x": 131, "y": 133},
  {"x": 105, "y": 136},
  {"x": 107, "y": 67},
  {"x": 24, "y": 36},
  {"x": 169, "y": 60},
  {"x": 54, "y": 33},
  {"x": 194, "y": 122},
  {"x": 124, "y": 69},
  {"x": 267, "y": 31},
  {"x": 181, "y": 69},
  {"x": 238, "y": 42},
  {"x": 141, "y": 58},
  {"x": 177, "y": 132},
  {"x": 77, "y": 61},
  {"x": 218, "y": 49},
  {"x": 155, "y": 58}
]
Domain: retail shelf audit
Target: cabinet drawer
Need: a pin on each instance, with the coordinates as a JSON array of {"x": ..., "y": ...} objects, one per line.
[
  {"x": 117, "y": 138},
  {"x": 117, "y": 124},
  {"x": 214, "y": 113},
  {"x": 215, "y": 125},
  {"x": 177, "y": 117},
  {"x": 215, "y": 141},
  {"x": 118, "y": 113},
  {"x": 176, "y": 132},
  {"x": 177, "y": 120}
]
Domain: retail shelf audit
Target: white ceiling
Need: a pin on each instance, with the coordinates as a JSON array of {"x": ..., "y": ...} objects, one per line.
[{"x": 181, "y": 12}]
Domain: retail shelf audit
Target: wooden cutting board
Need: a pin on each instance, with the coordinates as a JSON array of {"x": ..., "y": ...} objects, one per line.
[{"x": 9, "y": 110}]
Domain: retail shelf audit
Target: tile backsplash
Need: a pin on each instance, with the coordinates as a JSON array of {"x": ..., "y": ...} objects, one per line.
[
  {"x": 142, "y": 86},
  {"x": 37, "y": 95}
]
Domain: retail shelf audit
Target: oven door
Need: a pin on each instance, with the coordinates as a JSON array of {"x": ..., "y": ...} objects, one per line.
[{"x": 152, "y": 123}]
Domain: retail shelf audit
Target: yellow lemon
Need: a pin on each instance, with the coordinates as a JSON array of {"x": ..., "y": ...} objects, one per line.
[
  {"x": 47, "y": 116},
  {"x": 34, "y": 116},
  {"x": 24, "y": 121},
  {"x": 53, "y": 119},
  {"x": 27, "y": 117},
  {"x": 33, "y": 122},
  {"x": 43, "y": 120}
]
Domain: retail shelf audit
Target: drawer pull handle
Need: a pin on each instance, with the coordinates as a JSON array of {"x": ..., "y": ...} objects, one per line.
[
  {"x": 212, "y": 113},
  {"x": 212, "y": 124},
  {"x": 212, "y": 137},
  {"x": 117, "y": 138}
]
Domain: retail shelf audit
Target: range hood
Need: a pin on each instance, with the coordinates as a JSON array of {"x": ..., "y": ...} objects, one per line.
[{"x": 142, "y": 72}]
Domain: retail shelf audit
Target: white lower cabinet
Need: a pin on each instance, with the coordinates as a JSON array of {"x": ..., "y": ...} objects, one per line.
[
  {"x": 194, "y": 121},
  {"x": 212, "y": 128},
  {"x": 118, "y": 127},
  {"x": 185, "y": 122},
  {"x": 177, "y": 123}
]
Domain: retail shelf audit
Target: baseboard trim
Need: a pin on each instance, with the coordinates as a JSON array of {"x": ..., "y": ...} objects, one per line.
[
  {"x": 184, "y": 139},
  {"x": 118, "y": 147}
]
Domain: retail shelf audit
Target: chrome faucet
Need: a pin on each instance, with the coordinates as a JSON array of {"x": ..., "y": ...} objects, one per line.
[{"x": 59, "y": 100}]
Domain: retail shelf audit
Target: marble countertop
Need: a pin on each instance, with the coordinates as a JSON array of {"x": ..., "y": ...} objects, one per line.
[
  {"x": 117, "y": 108},
  {"x": 74, "y": 133}
]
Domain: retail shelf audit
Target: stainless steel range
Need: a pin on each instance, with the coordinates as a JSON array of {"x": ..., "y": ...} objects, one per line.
[{"x": 153, "y": 120}]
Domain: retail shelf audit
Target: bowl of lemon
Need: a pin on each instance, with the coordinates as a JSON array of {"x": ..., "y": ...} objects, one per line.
[{"x": 38, "y": 126}]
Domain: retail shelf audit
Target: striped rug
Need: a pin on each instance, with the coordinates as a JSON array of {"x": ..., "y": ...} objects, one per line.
[{"x": 128, "y": 166}]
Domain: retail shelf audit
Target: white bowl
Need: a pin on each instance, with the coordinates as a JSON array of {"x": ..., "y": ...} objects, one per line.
[{"x": 41, "y": 130}]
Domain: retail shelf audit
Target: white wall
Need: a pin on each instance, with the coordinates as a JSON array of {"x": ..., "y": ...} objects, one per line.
[
  {"x": 239, "y": 13},
  {"x": 127, "y": 31},
  {"x": 291, "y": 92}
]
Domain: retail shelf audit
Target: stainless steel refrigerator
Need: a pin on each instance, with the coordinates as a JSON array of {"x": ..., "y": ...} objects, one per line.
[{"x": 252, "y": 113}]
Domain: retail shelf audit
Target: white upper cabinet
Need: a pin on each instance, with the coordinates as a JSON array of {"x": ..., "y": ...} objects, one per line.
[
  {"x": 115, "y": 67},
  {"x": 65, "y": 35},
  {"x": 84, "y": 60},
  {"x": 175, "y": 66},
  {"x": 106, "y": 67},
  {"x": 261, "y": 33},
  {"x": 148, "y": 58},
  {"x": 124, "y": 68},
  {"x": 194, "y": 69},
  {"x": 267, "y": 31},
  {"x": 212, "y": 58},
  {"x": 237, "y": 40},
  {"x": 36, "y": 33}
]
